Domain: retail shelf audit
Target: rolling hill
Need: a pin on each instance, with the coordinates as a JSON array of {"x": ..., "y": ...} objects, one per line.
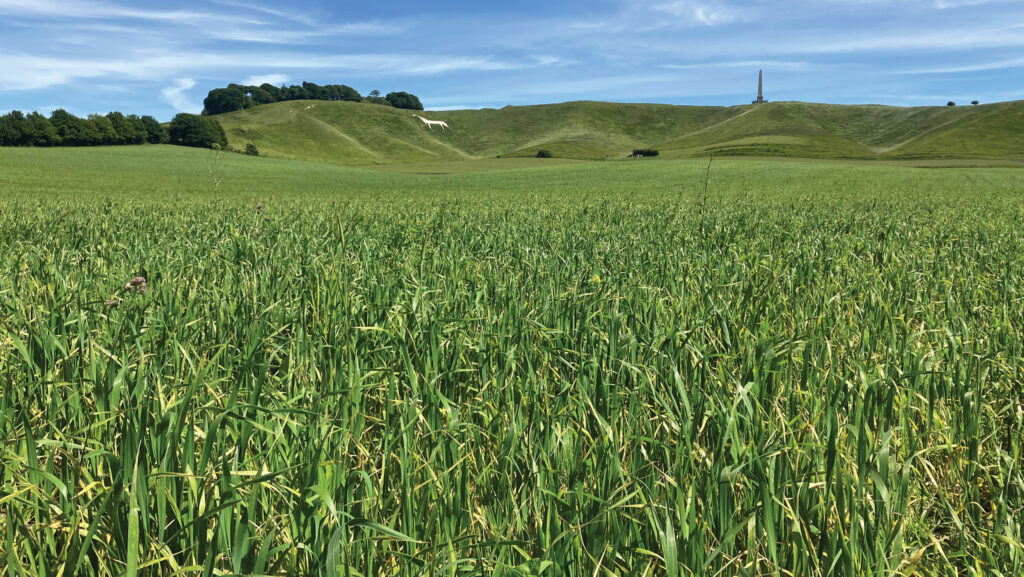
[{"x": 367, "y": 134}]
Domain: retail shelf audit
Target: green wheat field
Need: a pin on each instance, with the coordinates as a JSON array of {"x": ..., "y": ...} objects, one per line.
[{"x": 557, "y": 370}]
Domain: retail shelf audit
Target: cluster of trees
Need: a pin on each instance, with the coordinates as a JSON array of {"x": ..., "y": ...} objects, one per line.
[
  {"x": 404, "y": 100},
  {"x": 197, "y": 131},
  {"x": 238, "y": 97},
  {"x": 65, "y": 129}
]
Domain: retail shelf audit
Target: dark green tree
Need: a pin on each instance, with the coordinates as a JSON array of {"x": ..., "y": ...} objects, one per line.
[
  {"x": 91, "y": 135},
  {"x": 197, "y": 131},
  {"x": 339, "y": 92},
  {"x": 188, "y": 130},
  {"x": 348, "y": 94},
  {"x": 40, "y": 131},
  {"x": 404, "y": 100},
  {"x": 259, "y": 95},
  {"x": 124, "y": 129},
  {"x": 216, "y": 132},
  {"x": 70, "y": 130},
  {"x": 138, "y": 127},
  {"x": 103, "y": 128},
  {"x": 312, "y": 91},
  {"x": 14, "y": 129},
  {"x": 155, "y": 132},
  {"x": 273, "y": 91},
  {"x": 230, "y": 99}
]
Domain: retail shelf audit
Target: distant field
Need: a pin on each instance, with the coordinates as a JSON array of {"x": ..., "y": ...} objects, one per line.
[
  {"x": 557, "y": 370},
  {"x": 172, "y": 174}
]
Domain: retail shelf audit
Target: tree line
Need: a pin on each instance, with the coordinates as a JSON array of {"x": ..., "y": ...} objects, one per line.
[
  {"x": 238, "y": 97},
  {"x": 65, "y": 129}
]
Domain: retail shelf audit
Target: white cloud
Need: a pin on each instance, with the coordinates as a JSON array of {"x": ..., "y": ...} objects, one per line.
[
  {"x": 430, "y": 66},
  {"x": 273, "y": 35},
  {"x": 231, "y": 26},
  {"x": 750, "y": 64},
  {"x": 293, "y": 15},
  {"x": 977, "y": 67},
  {"x": 375, "y": 64},
  {"x": 69, "y": 9},
  {"x": 947, "y": 4},
  {"x": 177, "y": 95},
  {"x": 927, "y": 40},
  {"x": 706, "y": 13},
  {"x": 274, "y": 79},
  {"x": 24, "y": 72}
]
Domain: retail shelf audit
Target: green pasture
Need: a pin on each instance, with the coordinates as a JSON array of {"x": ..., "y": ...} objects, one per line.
[{"x": 558, "y": 370}]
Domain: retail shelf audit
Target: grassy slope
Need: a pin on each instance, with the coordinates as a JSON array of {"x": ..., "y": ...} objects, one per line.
[
  {"x": 828, "y": 131},
  {"x": 590, "y": 130},
  {"x": 359, "y": 134},
  {"x": 342, "y": 132},
  {"x": 365, "y": 134},
  {"x": 992, "y": 131}
]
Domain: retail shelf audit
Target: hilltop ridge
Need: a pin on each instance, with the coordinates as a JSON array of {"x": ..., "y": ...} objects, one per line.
[{"x": 355, "y": 133}]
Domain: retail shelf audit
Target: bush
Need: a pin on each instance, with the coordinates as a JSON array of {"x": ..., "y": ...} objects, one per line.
[
  {"x": 643, "y": 152},
  {"x": 543, "y": 154},
  {"x": 951, "y": 103},
  {"x": 251, "y": 150}
]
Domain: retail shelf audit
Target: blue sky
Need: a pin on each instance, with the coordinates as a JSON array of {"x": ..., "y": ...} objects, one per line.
[{"x": 160, "y": 58}]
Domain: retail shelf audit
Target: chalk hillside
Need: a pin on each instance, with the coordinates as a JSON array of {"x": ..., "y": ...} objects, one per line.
[{"x": 366, "y": 134}]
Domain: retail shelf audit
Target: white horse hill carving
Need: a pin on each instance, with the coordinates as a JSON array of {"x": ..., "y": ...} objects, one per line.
[{"x": 431, "y": 123}]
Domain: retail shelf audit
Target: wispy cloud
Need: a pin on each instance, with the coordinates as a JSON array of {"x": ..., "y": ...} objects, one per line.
[
  {"x": 240, "y": 26},
  {"x": 295, "y": 14},
  {"x": 708, "y": 13},
  {"x": 947, "y": 4},
  {"x": 273, "y": 35},
  {"x": 177, "y": 96},
  {"x": 959, "y": 38},
  {"x": 24, "y": 72},
  {"x": 747, "y": 64},
  {"x": 976, "y": 67},
  {"x": 917, "y": 5},
  {"x": 77, "y": 9},
  {"x": 273, "y": 79}
]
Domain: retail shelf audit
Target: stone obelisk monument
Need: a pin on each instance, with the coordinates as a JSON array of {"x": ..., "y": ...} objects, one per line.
[{"x": 760, "y": 88}]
